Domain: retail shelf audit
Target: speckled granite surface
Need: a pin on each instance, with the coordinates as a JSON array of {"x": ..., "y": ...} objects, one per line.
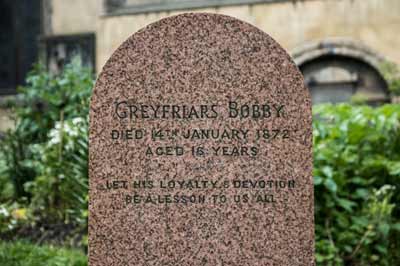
[{"x": 200, "y": 150}]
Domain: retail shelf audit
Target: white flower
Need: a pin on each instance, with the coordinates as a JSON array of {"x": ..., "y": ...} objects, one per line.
[
  {"x": 4, "y": 212},
  {"x": 77, "y": 120},
  {"x": 54, "y": 136}
]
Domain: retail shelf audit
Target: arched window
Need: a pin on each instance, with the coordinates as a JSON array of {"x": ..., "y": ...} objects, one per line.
[{"x": 335, "y": 71}]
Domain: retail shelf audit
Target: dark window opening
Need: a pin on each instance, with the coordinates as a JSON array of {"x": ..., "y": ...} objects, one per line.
[
  {"x": 60, "y": 50},
  {"x": 337, "y": 79},
  {"x": 19, "y": 30}
]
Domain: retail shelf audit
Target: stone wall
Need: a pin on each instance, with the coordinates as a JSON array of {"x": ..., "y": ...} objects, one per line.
[
  {"x": 62, "y": 17},
  {"x": 373, "y": 23}
]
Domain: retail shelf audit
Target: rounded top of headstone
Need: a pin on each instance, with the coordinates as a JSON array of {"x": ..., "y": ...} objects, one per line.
[{"x": 220, "y": 44}]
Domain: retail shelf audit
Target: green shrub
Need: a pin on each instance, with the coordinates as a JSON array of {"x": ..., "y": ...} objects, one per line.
[
  {"x": 44, "y": 158},
  {"x": 391, "y": 73},
  {"x": 6, "y": 187},
  {"x": 43, "y": 169},
  {"x": 45, "y": 100},
  {"x": 60, "y": 187},
  {"x": 24, "y": 254},
  {"x": 357, "y": 177}
]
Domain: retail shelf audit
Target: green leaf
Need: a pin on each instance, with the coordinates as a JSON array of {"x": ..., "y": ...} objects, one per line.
[
  {"x": 362, "y": 193},
  {"x": 396, "y": 226},
  {"x": 328, "y": 171},
  {"x": 384, "y": 228},
  {"x": 382, "y": 249},
  {"x": 346, "y": 204},
  {"x": 394, "y": 168},
  {"x": 330, "y": 185},
  {"x": 317, "y": 180}
]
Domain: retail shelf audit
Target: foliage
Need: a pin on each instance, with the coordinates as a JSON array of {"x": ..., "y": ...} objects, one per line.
[
  {"x": 12, "y": 216},
  {"x": 43, "y": 169},
  {"x": 6, "y": 187},
  {"x": 45, "y": 156},
  {"x": 24, "y": 254},
  {"x": 60, "y": 186},
  {"x": 45, "y": 100},
  {"x": 357, "y": 177},
  {"x": 391, "y": 73},
  {"x": 359, "y": 99}
]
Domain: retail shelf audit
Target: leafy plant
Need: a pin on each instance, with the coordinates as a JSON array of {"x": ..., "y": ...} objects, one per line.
[
  {"x": 60, "y": 187},
  {"x": 25, "y": 254},
  {"x": 44, "y": 157},
  {"x": 357, "y": 177},
  {"x": 13, "y": 215},
  {"x": 391, "y": 73},
  {"x": 44, "y": 175},
  {"x": 45, "y": 100}
]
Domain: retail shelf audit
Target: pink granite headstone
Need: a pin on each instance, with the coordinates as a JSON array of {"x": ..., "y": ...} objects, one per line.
[{"x": 200, "y": 150}]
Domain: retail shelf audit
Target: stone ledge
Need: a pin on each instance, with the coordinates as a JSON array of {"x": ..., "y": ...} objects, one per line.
[{"x": 337, "y": 46}]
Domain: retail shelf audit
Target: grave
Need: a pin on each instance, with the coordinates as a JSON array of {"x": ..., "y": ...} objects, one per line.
[{"x": 200, "y": 149}]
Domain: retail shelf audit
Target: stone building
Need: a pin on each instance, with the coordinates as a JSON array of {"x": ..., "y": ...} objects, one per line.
[{"x": 339, "y": 45}]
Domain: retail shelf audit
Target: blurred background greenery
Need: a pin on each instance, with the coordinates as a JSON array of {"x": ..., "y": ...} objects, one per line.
[{"x": 44, "y": 176}]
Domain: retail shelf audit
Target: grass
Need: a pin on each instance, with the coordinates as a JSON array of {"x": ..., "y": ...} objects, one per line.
[{"x": 25, "y": 254}]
